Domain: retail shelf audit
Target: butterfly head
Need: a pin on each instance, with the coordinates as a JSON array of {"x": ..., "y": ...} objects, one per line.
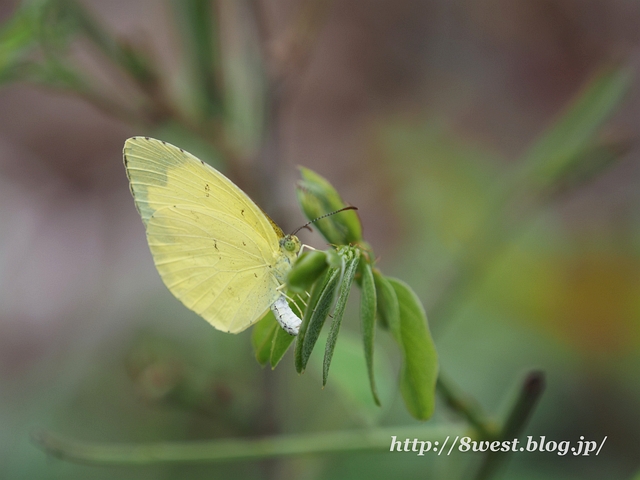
[{"x": 290, "y": 244}]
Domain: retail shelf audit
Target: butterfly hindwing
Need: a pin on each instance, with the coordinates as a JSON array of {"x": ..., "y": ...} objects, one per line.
[{"x": 229, "y": 287}]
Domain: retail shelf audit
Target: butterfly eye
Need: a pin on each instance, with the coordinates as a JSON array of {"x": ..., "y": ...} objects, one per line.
[{"x": 290, "y": 243}]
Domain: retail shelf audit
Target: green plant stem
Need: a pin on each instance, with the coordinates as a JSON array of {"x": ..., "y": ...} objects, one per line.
[
  {"x": 131, "y": 62},
  {"x": 532, "y": 388},
  {"x": 200, "y": 31},
  {"x": 467, "y": 407},
  {"x": 516, "y": 419},
  {"x": 234, "y": 450}
]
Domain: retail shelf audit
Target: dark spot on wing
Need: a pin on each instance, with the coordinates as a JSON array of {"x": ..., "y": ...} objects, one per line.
[
  {"x": 244, "y": 244},
  {"x": 242, "y": 212},
  {"x": 255, "y": 275},
  {"x": 146, "y": 138},
  {"x": 206, "y": 189},
  {"x": 181, "y": 150},
  {"x": 215, "y": 245}
]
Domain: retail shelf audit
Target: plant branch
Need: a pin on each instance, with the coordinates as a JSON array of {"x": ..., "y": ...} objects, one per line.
[
  {"x": 237, "y": 449},
  {"x": 516, "y": 419},
  {"x": 561, "y": 160},
  {"x": 467, "y": 407}
]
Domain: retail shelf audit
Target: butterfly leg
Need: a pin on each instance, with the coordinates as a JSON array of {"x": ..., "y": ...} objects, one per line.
[{"x": 308, "y": 247}]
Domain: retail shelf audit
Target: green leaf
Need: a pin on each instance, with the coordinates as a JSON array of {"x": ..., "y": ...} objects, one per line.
[
  {"x": 420, "y": 365},
  {"x": 565, "y": 141},
  {"x": 200, "y": 30},
  {"x": 319, "y": 314},
  {"x": 387, "y": 305},
  {"x": 281, "y": 339},
  {"x": 318, "y": 197},
  {"x": 591, "y": 162},
  {"x": 281, "y": 343},
  {"x": 314, "y": 296},
  {"x": 368, "y": 320},
  {"x": 262, "y": 337},
  {"x": 18, "y": 38},
  {"x": 306, "y": 271},
  {"x": 352, "y": 256}
]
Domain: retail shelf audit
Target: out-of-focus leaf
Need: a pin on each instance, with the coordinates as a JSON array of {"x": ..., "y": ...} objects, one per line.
[
  {"x": 334, "y": 260},
  {"x": 58, "y": 21},
  {"x": 352, "y": 256},
  {"x": 318, "y": 197},
  {"x": 368, "y": 320},
  {"x": 262, "y": 337},
  {"x": 562, "y": 146},
  {"x": 244, "y": 81},
  {"x": 200, "y": 31},
  {"x": 590, "y": 163},
  {"x": 420, "y": 363},
  {"x": 306, "y": 271},
  {"x": 387, "y": 305},
  {"x": 320, "y": 313},
  {"x": 18, "y": 37}
]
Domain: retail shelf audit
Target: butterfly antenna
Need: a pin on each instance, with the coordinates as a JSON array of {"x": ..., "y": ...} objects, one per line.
[{"x": 306, "y": 225}]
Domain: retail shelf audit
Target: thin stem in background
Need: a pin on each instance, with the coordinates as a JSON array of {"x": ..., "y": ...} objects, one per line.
[
  {"x": 518, "y": 415},
  {"x": 240, "y": 449}
]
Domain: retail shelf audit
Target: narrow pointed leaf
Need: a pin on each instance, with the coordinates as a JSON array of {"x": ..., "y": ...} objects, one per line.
[
  {"x": 316, "y": 291},
  {"x": 351, "y": 265},
  {"x": 318, "y": 315},
  {"x": 420, "y": 363},
  {"x": 368, "y": 320},
  {"x": 563, "y": 143}
]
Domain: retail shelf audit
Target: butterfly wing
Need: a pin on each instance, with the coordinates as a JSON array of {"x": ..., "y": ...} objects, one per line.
[{"x": 212, "y": 245}]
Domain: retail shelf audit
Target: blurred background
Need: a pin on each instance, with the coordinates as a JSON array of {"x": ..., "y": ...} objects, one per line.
[{"x": 490, "y": 146}]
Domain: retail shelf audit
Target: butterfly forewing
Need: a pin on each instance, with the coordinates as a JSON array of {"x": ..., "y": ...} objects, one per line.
[
  {"x": 162, "y": 175},
  {"x": 213, "y": 247}
]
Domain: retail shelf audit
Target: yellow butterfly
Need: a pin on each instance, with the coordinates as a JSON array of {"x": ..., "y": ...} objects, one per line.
[{"x": 214, "y": 248}]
